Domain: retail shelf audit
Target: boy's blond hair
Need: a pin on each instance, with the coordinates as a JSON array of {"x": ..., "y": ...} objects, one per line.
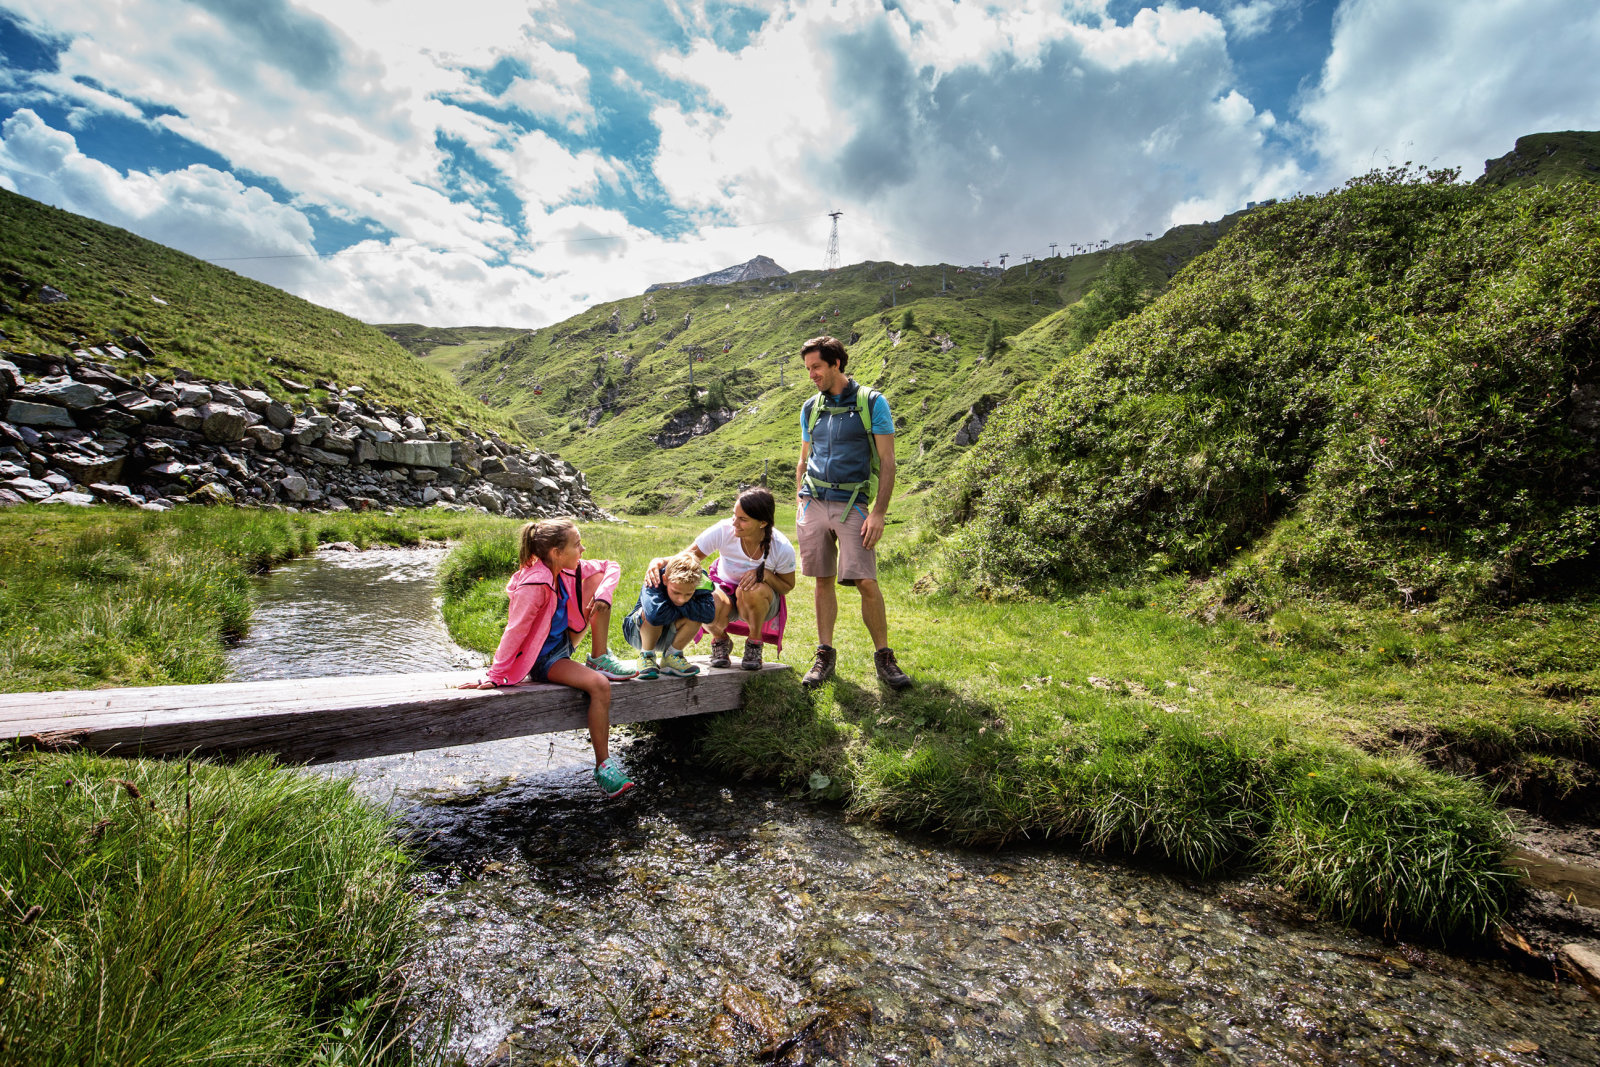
[{"x": 682, "y": 569}]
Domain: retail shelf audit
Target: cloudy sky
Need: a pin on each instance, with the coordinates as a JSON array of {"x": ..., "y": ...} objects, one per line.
[{"x": 509, "y": 162}]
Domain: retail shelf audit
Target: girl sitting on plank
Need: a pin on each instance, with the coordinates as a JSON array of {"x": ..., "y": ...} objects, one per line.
[{"x": 555, "y": 594}]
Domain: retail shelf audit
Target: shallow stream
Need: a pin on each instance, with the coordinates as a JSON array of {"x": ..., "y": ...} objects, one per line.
[{"x": 696, "y": 920}]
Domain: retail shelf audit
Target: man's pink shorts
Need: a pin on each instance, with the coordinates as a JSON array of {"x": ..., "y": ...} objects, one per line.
[{"x": 830, "y": 541}]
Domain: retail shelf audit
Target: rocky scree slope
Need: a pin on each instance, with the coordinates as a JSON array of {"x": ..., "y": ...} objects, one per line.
[{"x": 77, "y": 432}]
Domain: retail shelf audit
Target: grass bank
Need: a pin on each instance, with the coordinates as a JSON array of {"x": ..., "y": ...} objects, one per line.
[
  {"x": 1352, "y": 753},
  {"x": 96, "y": 596},
  {"x": 163, "y": 913}
]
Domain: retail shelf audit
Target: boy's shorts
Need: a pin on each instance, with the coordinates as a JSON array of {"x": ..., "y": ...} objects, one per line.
[{"x": 830, "y": 541}]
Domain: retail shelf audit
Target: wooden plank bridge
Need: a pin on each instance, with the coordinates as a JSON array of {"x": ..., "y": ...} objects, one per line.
[{"x": 322, "y": 720}]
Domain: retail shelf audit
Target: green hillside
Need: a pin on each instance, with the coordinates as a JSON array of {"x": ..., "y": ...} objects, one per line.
[
  {"x": 1387, "y": 392},
  {"x": 122, "y": 290},
  {"x": 1546, "y": 159},
  {"x": 448, "y": 348},
  {"x": 599, "y": 387}
]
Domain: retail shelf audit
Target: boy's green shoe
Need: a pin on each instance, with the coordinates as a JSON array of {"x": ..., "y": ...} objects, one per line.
[
  {"x": 609, "y": 777},
  {"x": 674, "y": 663},
  {"x": 618, "y": 670},
  {"x": 647, "y": 666}
]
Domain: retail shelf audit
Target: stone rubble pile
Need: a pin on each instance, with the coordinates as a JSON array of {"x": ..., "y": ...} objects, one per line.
[{"x": 75, "y": 431}]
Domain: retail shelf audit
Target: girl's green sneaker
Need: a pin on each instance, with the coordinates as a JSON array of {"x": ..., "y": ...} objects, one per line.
[
  {"x": 612, "y": 782},
  {"x": 618, "y": 670}
]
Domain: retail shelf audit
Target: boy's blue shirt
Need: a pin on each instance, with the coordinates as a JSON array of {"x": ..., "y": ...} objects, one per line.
[{"x": 658, "y": 608}]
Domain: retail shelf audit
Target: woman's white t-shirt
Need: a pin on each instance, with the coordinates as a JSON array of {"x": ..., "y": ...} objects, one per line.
[{"x": 720, "y": 539}]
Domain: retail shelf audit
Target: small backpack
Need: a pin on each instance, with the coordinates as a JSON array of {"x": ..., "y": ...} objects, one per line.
[{"x": 863, "y": 407}]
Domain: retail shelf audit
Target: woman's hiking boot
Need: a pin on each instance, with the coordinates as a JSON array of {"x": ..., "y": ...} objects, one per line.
[
  {"x": 611, "y": 780},
  {"x": 722, "y": 651},
  {"x": 821, "y": 667},
  {"x": 751, "y": 661},
  {"x": 889, "y": 672},
  {"x": 674, "y": 663}
]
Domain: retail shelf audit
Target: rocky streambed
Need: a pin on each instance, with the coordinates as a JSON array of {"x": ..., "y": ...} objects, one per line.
[{"x": 77, "y": 431}]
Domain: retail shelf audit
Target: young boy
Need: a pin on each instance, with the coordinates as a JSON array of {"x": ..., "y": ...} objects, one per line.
[{"x": 675, "y": 600}]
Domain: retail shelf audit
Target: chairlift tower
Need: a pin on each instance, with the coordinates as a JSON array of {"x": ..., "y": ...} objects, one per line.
[
  {"x": 831, "y": 260},
  {"x": 1026, "y": 260},
  {"x": 1003, "y": 256},
  {"x": 1052, "y": 250}
]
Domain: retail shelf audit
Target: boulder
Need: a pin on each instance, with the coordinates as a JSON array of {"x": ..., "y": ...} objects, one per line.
[
  {"x": 10, "y": 499},
  {"x": 366, "y": 422},
  {"x": 187, "y": 419},
  {"x": 337, "y": 442},
  {"x": 278, "y": 416},
  {"x": 223, "y": 423},
  {"x": 305, "y": 432},
  {"x": 292, "y": 385},
  {"x": 212, "y": 493},
  {"x": 77, "y": 500},
  {"x": 114, "y": 494},
  {"x": 10, "y": 378},
  {"x": 142, "y": 407},
  {"x": 102, "y": 376},
  {"x": 265, "y": 438},
  {"x": 167, "y": 469},
  {"x": 424, "y": 475},
  {"x": 28, "y": 413},
  {"x": 29, "y": 488},
  {"x": 49, "y": 294},
  {"x": 294, "y": 488},
  {"x": 327, "y": 459},
  {"x": 391, "y": 426},
  {"x": 191, "y": 395},
  {"x": 366, "y": 451},
  {"x": 86, "y": 470},
  {"x": 414, "y": 453}
]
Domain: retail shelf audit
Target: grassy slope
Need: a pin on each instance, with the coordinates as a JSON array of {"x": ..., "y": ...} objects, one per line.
[
  {"x": 215, "y": 323},
  {"x": 448, "y": 348},
  {"x": 1546, "y": 159},
  {"x": 577, "y": 361},
  {"x": 1395, "y": 372}
]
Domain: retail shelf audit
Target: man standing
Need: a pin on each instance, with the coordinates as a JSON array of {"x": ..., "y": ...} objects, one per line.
[{"x": 846, "y": 468}]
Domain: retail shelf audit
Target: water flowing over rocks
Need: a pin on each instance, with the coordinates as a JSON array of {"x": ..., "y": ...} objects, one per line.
[{"x": 77, "y": 432}]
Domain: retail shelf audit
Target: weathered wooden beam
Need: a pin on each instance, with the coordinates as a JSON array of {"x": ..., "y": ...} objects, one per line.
[{"x": 320, "y": 720}]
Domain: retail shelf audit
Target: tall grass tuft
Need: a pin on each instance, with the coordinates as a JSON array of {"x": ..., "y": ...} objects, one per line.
[{"x": 169, "y": 913}]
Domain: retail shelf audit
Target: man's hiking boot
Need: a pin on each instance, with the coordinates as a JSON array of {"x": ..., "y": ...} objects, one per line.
[
  {"x": 611, "y": 780},
  {"x": 751, "y": 661},
  {"x": 618, "y": 670},
  {"x": 674, "y": 663},
  {"x": 821, "y": 667},
  {"x": 648, "y": 668},
  {"x": 721, "y": 651},
  {"x": 889, "y": 672}
]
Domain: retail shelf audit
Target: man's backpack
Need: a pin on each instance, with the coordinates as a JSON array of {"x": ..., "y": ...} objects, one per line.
[{"x": 822, "y": 404}]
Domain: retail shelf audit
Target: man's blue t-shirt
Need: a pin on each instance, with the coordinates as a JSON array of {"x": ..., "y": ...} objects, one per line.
[{"x": 882, "y": 421}]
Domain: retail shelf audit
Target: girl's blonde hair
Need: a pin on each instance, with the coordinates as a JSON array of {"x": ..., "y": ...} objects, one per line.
[
  {"x": 682, "y": 569},
  {"x": 536, "y": 540}
]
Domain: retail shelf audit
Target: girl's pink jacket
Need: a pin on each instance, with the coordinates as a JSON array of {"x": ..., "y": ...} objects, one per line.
[{"x": 533, "y": 605}]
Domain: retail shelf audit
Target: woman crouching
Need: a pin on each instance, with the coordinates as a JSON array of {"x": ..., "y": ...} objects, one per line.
[{"x": 555, "y": 594}]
